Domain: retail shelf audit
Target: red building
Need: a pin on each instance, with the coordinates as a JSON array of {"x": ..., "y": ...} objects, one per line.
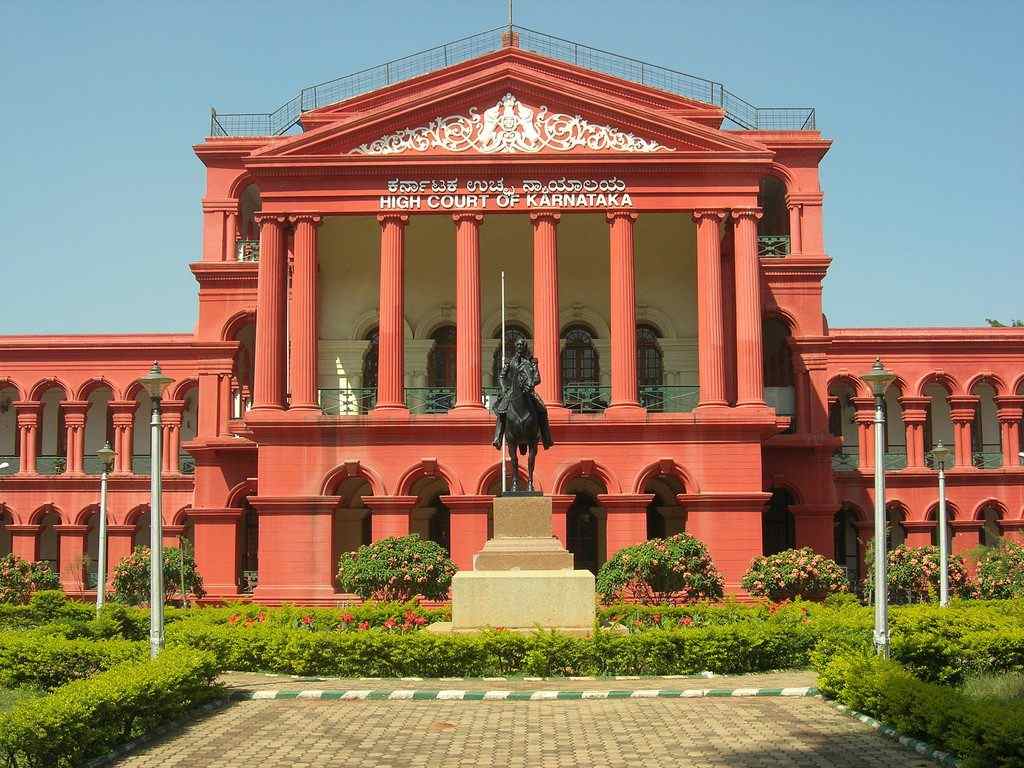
[{"x": 663, "y": 249}]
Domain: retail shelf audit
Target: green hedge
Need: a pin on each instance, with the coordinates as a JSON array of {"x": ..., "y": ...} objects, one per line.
[
  {"x": 88, "y": 718},
  {"x": 983, "y": 734},
  {"x": 35, "y": 660}
]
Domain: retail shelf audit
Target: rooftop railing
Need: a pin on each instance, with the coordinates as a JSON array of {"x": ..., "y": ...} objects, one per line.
[{"x": 739, "y": 112}]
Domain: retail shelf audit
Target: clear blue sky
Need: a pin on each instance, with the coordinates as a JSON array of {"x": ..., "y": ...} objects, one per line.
[{"x": 101, "y": 102}]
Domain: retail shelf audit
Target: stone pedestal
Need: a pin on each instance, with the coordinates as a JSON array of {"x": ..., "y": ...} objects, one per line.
[{"x": 523, "y": 578}]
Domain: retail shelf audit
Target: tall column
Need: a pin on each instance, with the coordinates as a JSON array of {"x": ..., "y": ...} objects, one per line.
[
  {"x": 623, "y": 312},
  {"x": 74, "y": 423},
  {"x": 546, "y": 346},
  {"x": 961, "y": 413},
  {"x": 468, "y": 381},
  {"x": 468, "y": 527},
  {"x": 122, "y": 413},
  {"x": 729, "y": 525},
  {"x": 230, "y": 235},
  {"x": 295, "y": 547},
  {"x": 749, "y": 358},
  {"x": 170, "y": 416},
  {"x": 915, "y": 414},
  {"x": 865, "y": 418},
  {"x": 304, "y": 330},
  {"x": 389, "y": 515},
  {"x": 796, "y": 245},
  {"x": 710, "y": 309},
  {"x": 271, "y": 315},
  {"x": 28, "y": 429},
  {"x": 1009, "y": 412},
  {"x": 391, "y": 327},
  {"x": 625, "y": 520}
]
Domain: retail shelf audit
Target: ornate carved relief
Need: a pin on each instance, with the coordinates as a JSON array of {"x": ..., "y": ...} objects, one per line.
[{"x": 509, "y": 127}]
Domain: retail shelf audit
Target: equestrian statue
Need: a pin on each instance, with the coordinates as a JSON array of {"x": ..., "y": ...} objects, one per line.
[{"x": 522, "y": 417}]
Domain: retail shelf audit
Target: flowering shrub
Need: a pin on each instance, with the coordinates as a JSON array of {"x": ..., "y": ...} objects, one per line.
[
  {"x": 20, "y": 578},
  {"x": 913, "y": 575},
  {"x": 397, "y": 569},
  {"x": 795, "y": 573},
  {"x": 131, "y": 575},
  {"x": 1001, "y": 571},
  {"x": 673, "y": 570}
]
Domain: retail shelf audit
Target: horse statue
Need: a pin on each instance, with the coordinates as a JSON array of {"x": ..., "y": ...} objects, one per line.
[{"x": 522, "y": 417}]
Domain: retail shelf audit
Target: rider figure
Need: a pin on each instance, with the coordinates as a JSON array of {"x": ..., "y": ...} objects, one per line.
[{"x": 524, "y": 367}]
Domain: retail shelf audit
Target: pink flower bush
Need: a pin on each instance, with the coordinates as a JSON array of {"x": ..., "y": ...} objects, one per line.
[
  {"x": 913, "y": 575},
  {"x": 1001, "y": 571},
  {"x": 673, "y": 570},
  {"x": 397, "y": 569},
  {"x": 795, "y": 573}
]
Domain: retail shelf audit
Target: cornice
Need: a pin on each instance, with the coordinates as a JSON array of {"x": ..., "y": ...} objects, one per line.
[
  {"x": 795, "y": 268},
  {"x": 240, "y": 273}
]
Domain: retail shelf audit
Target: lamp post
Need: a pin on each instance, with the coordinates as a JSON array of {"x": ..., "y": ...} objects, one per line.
[
  {"x": 940, "y": 455},
  {"x": 106, "y": 457},
  {"x": 155, "y": 383},
  {"x": 879, "y": 379}
]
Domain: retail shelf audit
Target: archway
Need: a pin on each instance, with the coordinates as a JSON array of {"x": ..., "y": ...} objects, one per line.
[
  {"x": 895, "y": 532},
  {"x": 986, "y": 441},
  {"x": 938, "y": 426},
  {"x": 778, "y": 527},
  {"x": 188, "y": 429},
  {"x": 665, "y": 517},
  {"x": 141, "y": 433},
  {"x": 139, "y": 517},
  {"x": 351, "y": 524},
  {"x": 99, "y": 425},
  {"x": 248, "y": 549},
  {"x": 585, "y": 524},
  {"x": 991, "y": 533},
  {"x": 10, "y": 450},
  {"x": 777, "y": 364},
  {"x": 933, "y": 517},
  {"x": 773, "y": 235},
  {"x": 92, "y": 547},
  {"x": 52, "y": 435},
  {"x": 6, "y": 519},
  {"x": 243, "y": 367},
  {"x": 430, "y": 518},
  {"x": 48, "y": 542},
  {"x": 842, "y": 423},
  {"x": 847, "y": 543}
]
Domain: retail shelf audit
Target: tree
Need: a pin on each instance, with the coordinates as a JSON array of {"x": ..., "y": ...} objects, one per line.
[
  {"x": 997, "y": 324},
  {"x": 131, "y": 576}
]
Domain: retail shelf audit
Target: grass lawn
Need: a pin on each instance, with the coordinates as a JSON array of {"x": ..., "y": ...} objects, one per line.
[{"x": 9, "y": 697}]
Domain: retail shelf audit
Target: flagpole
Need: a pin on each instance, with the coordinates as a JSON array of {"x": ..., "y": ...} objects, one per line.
[{"x": 504, "y": 439}]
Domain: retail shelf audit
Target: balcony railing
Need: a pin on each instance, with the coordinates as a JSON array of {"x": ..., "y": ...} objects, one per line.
[
  {"x": 13, "y": 464},
  {"x": 429, "y": 399},
  {"x": 186, "y": 464},
  {"x": 782, "y": 399},
  {"x": 141, "y": 465},
  {"x": 247, "y": 250},
  {"x": 896, "y": 457},
  {"x": 846, "y": 459},
  {"x": 987, "y": 459},
  {"x": 586, "y": 398},
  {"x": 347, "y": 402},
  {"x": 669, "y": 399},
  {"x": 773, "y": 245},
  {"x": 51, "y": 465}
]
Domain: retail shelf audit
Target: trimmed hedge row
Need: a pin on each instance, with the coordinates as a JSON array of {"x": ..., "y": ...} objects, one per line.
[
  {"x": 726, "y": 649},
  {"x": 47, "y": 662},
  {"x": 983, "y": 734},
  {"x": 88, "y": 718}
]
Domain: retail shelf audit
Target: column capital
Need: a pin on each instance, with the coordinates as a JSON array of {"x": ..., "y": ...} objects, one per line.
[
  {"x": 393, "y": 218},
  {"x": 467, "y": 216},
  {"x": 791, "y": 204},
  {"x": 714, "y": 214},
  {"x": 739, "y": 214},
  {"x": 122, "y": 407},
  {"x": 74, "y": 407},
  {"x": 553, "y": 216},
  {"x": 963, "y": 402},
  {"x": 27, "y": 410},
  {"x": 315, "y": 219},
  {"x": 611, "y": 216},
  {"x": 270, "y": 218},
  {"x": 1010, "y": 415},
  {"x": 864, "y": 404}
]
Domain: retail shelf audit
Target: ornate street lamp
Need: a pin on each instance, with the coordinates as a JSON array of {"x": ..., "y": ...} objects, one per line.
[
  {"x": 155, "y": 383},
  {"x": 879, "y": 379},
  {"x": 106, "y": 457},
  {"x": 940, "y": 455}
]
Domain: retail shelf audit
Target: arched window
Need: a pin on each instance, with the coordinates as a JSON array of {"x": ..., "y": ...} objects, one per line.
[
  {"x": 581, "y": 532},
  {"x": 441, "y": 360},
  {"x": 778, "y": 526},
  {"x": 895, "y": 533},
  {"x": 370, "y": 358},
  {"x": 650, "y": 369},
  {"x": 513, "y": 333},
  {"x": 773, "y": 226},
  {"x": 991, "y": 532},
  {"x": 580, "y": 364},
  {"x": 847, "y": 551}
]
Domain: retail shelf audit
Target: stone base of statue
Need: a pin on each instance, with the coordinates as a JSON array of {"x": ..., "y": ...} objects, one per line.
[{"x": 523, "y": 578}]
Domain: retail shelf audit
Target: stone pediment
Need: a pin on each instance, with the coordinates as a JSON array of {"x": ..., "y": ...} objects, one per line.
[{"x": 509, "y": 126}]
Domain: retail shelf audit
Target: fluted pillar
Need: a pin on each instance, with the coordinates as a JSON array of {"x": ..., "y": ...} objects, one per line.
[
  {"x": 915, "y": 415},
  {"x": 230, "y": 235},
  {"x": 74, "y": 423},
  {"x": 545, "y": 306},
  {"x": 749, "y": 359},
  {"x": 864, "y": 416},
  {"x": 796, "y": 245},
  {"x": 28, "y": 430},
  {"x": 961, "y": 412},
  {"x": 391, "y": 328},
  {"x": 304, "y": 327},
  {"x": 710, "y": 309},
  {"x": 122, "y": 413},
  {"x": 623, "y": 311},
  {"x": 468, "y": 376},
  {"x": 1010, "y": 411},
  {"x": 271, "y": 315},
  {"x": 170, "y": 416}
]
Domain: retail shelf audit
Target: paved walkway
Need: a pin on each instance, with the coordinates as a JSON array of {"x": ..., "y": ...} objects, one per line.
[{"x": 772, "y": 732}]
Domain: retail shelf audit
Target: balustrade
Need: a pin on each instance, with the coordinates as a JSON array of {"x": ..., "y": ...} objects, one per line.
[
  {"x": 247, "y": 250},
  {"x": 51, "y": 465},
  {"x": 987, "y": 459},
  {"x": 773, "y": 246},
  {"x": 669, "y": 399},
  {"x": 846, "y": 459},
  {"x": 586, "y": 398}
]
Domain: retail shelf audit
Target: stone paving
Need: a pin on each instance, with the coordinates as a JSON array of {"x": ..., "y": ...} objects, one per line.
[{"x": 697, "y": 733}]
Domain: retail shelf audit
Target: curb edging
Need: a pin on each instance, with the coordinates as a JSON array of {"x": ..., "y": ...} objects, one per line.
[
  {"x": 414, "y": 694},
  {"x": 922, "y": 748}
]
